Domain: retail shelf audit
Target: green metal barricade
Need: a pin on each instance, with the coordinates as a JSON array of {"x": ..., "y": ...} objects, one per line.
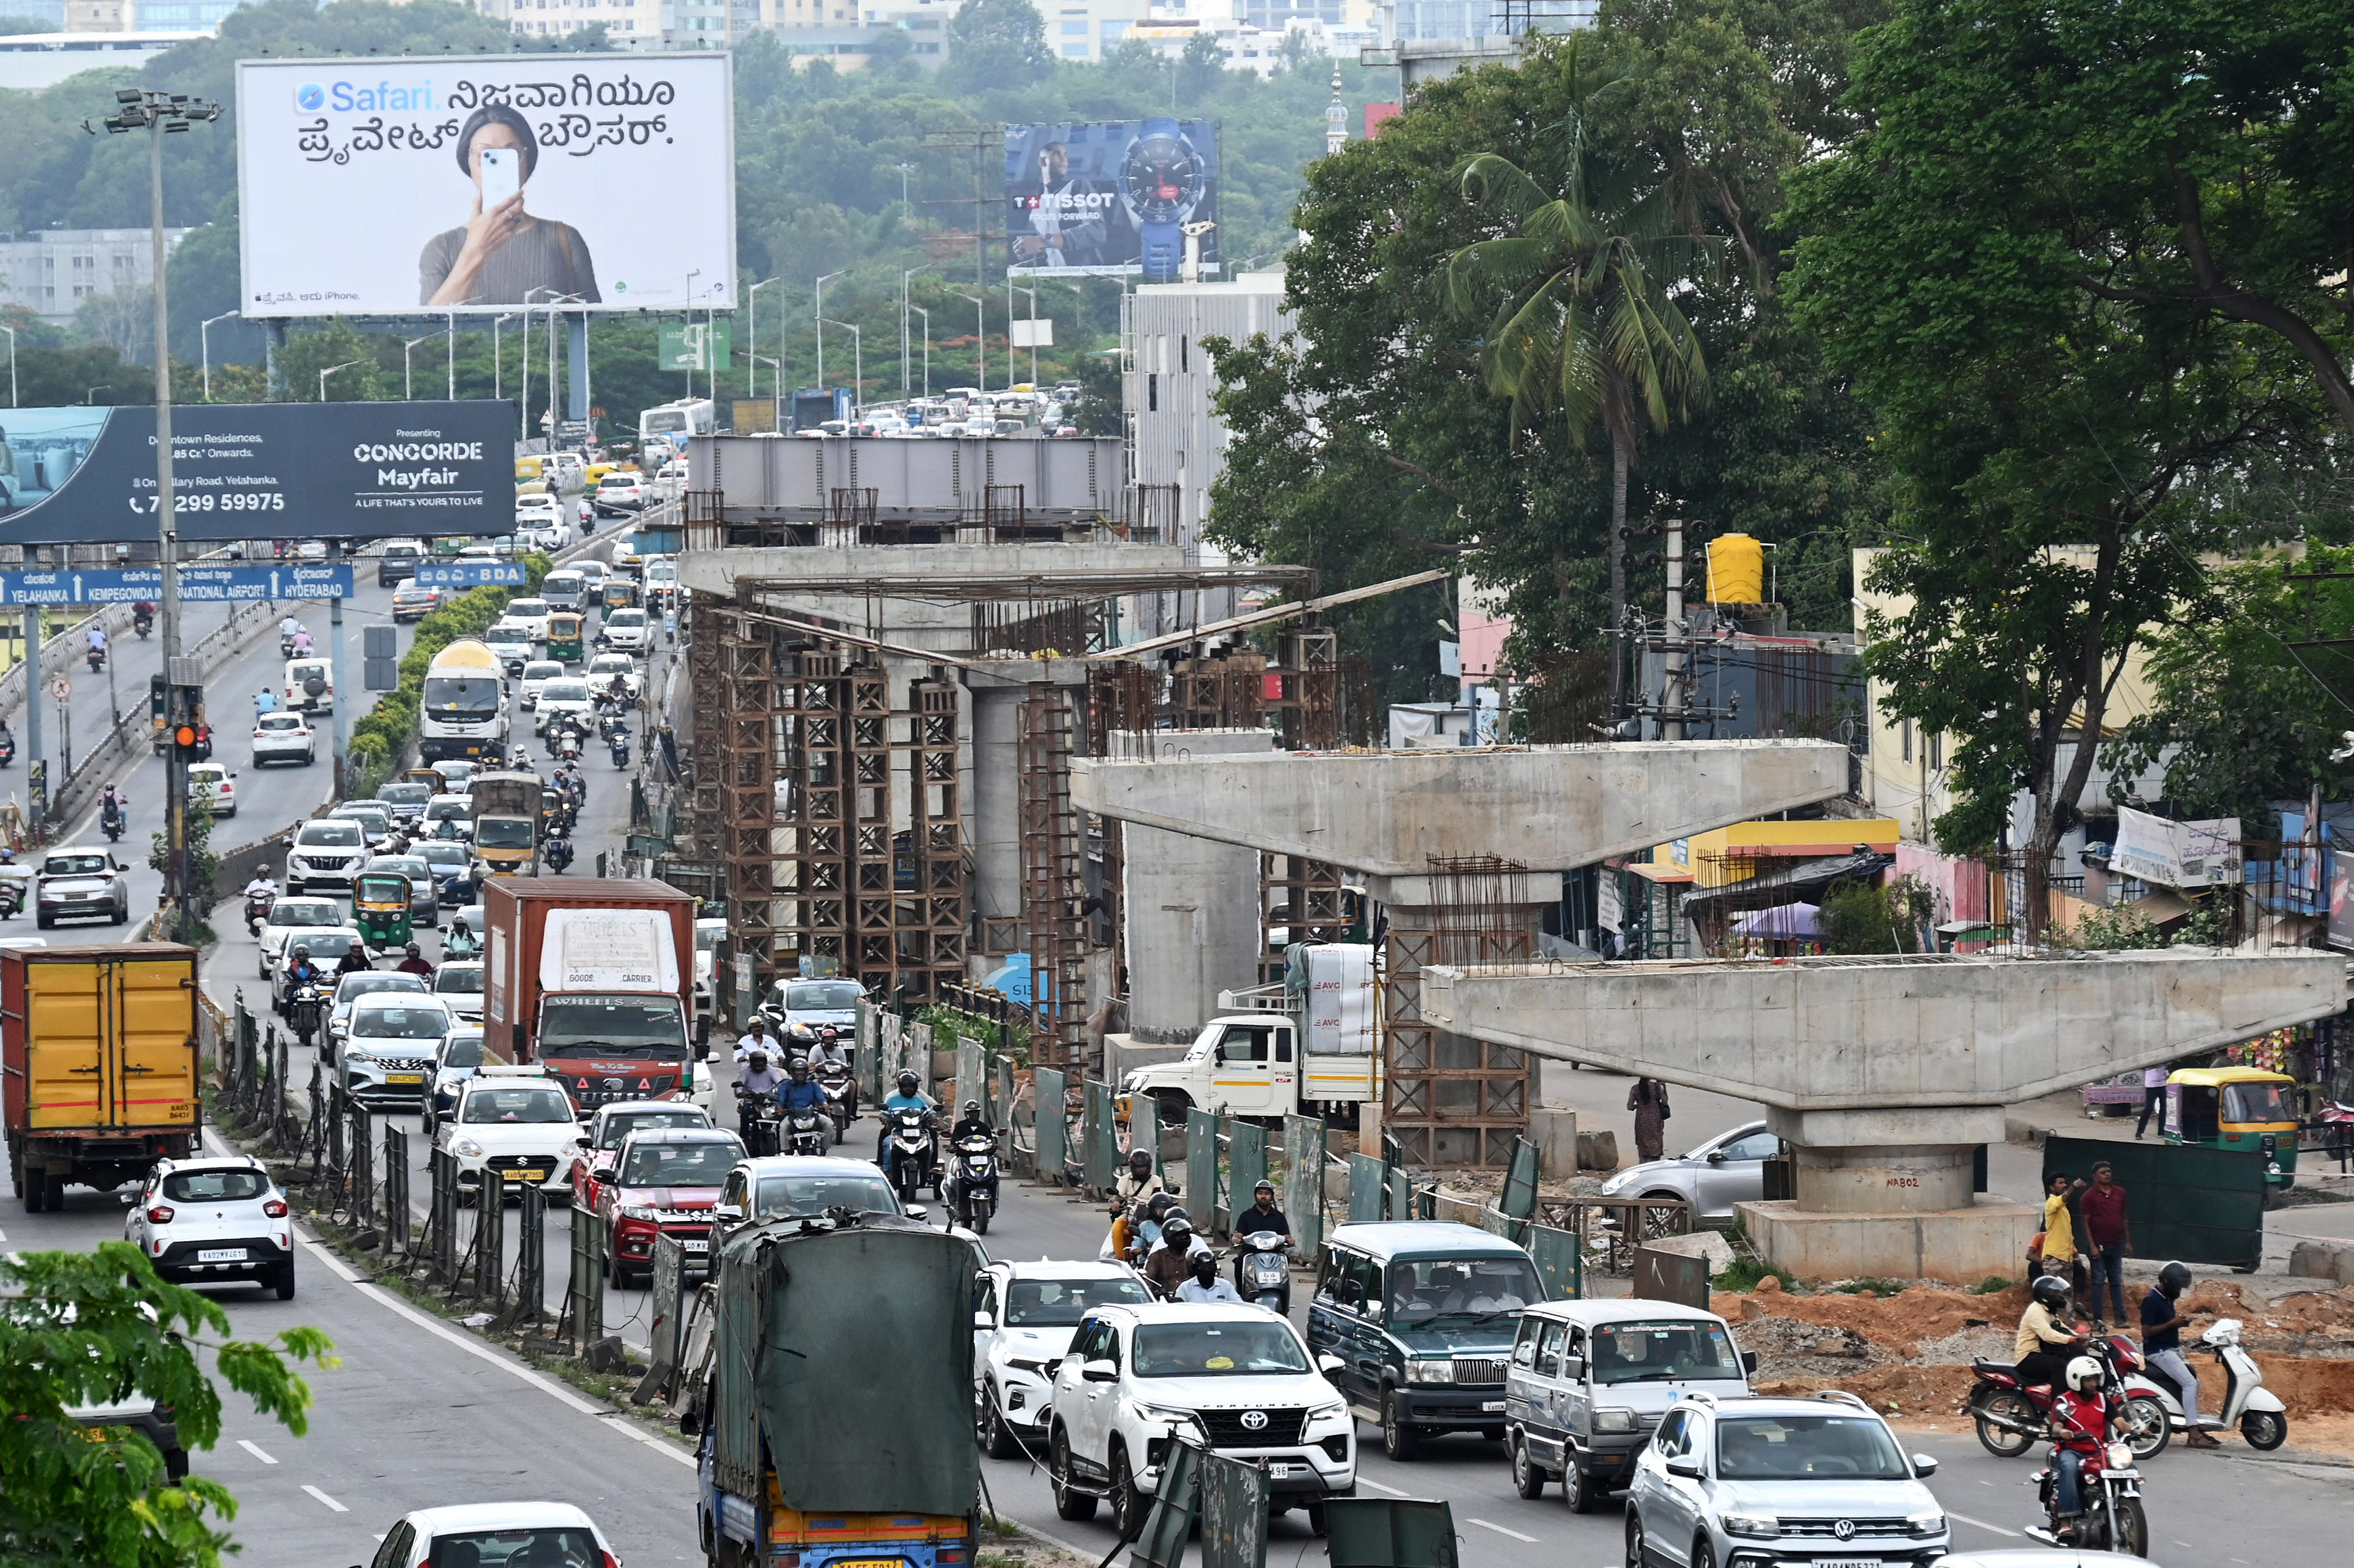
[
  {"x": 1101, "y": 1138},
  {"x": 1560, "y": 1261},
  {"x": 1234, "y": 1513},
  {"x": 1246, "y": 1169},
  {"x": 1390, "y": 1532},
  {"x": 1162, "y": 1544},
  {"x": 971, "y": 1076},
  {"x": 1401, "y": 1188},
  {"x": 1368, "y": 1188},
  {"x": 1519, "y": 1201},
  {"x": 1303, "y": 1184},
  {"x": 1051, "y": 1156},
  {"x": 868, "y": 1057},
  {"x": 1201, "y": 1162}
]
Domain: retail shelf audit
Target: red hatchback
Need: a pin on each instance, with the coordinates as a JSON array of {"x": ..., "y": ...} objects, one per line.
[
  {"x": 609, "y": 1127},
  {"x": 664, "y": 1184}
]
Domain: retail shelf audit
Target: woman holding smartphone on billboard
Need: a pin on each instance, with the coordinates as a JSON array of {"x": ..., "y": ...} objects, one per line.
[{"x": 502, "y": 255}]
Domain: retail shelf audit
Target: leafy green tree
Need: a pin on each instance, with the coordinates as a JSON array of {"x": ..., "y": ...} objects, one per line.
[
  {"x": 2063, "y": 458},
  {"x": 321, "y": 348},
  {"x": 96, "y": 1328},
  {"x": 996, "y": 43},
  {"x": 86, "y": 373},
  {"x": 1583, "y": 324},
  {"x": 1199, "y": 67},
  {"x": 11, "y": 26},
  {"x": 1098, "y": 409}
]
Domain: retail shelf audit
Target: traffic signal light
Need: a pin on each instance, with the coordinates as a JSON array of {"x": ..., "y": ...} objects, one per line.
[
  {"x": 186, "y": 723},
  {"x": 156, "y": 691}
]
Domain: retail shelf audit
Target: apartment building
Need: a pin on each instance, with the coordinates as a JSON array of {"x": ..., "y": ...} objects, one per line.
[{"x": 50, "y": 271}]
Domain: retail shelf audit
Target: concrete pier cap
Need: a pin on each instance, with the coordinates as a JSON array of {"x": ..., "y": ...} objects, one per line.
[
  {"x": 1884, "y": 1074},
  {"x": 1389, "y": 814}
]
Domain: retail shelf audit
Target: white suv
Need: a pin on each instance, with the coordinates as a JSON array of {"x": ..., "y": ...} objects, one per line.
[
  {"x": 514, "y": 1125},
  {"x": 327, "y": 851},
  {"x": 1033, "y": 1309},
  {"x": 214, "y": 1222},
  {"x": 1753, "y": 1483},
  {"x": 1237, "y": 1379}
]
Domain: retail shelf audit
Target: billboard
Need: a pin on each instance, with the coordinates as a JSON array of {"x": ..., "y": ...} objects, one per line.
[
  {"x": 695, "y": 346},
  {"x": 1111, "y": 198},
  {"x": 259, "y": 471},
  {"x": 402, "y": 186}
]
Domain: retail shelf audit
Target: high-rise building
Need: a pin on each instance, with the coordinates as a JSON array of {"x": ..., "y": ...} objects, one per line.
[{"x": 50, "y": 271}]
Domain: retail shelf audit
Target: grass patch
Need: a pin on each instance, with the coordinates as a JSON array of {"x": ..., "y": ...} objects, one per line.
[
  {"x": 1744, "y": 1273},
  {"x": 1992, "y": 1284}
]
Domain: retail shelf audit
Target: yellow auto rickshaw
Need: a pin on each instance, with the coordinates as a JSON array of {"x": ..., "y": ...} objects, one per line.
[
  {"x": 619, "y": 593},
  {"x": 566, "y": 639},
  {"x": 380, "y": 909},
  {"x": 426, "y": 777},
  {"x": 2244, "y": 1108}
]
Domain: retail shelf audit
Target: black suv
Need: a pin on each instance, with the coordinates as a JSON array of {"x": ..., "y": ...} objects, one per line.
[{"x": 398, "y": 562}]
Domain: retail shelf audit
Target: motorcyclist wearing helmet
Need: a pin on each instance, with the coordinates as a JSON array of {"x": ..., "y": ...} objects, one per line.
[
  {"x": 972, "y": 1124},
  {"x": 759, "y": 1078},
  {"x": 1204, "y": 1284},
  {"x": 413, "y": 962},
  {"x": 2084, "y": 1417},
  {"x": 2045, "y": 1342},
  {"x": 1172, "y": 1257},
  {"x": 354, "y": 961},
  {"x": 910, "y": 1095},
  {"x": 799, "y": 1093},
  {"x": 302, "y": 971},
  {"x": 2162, "y": 1323}
]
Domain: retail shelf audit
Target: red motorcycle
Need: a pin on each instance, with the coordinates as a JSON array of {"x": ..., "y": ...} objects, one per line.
[
  {"x": 2108, "y": 1485},
  {"x": 2012, "y": 1417}
]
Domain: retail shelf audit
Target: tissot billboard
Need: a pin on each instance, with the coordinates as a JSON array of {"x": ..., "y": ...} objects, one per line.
[
  {"x": 259, "y": 471},
  {"x": 1111, "y": 198},
  {"x": 478, "y": 183}
]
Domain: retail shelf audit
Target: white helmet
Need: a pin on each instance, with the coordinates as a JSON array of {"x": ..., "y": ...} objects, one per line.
[{"x": 2084, "y": 1375}]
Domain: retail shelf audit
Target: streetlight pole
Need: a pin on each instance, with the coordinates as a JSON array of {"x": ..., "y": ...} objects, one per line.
[
  {"x": 159, "y": 114},
  {"x": 818, "y": 310},
  {"x": 857, "y": 364},
  {"x": 752, "y": 331},
  {"x": 450, "y": 392},
  {"x": 686, "y": 316},
  {"x": 12, "y": 366},
  {"x": 204, "y": 340},
  {"x": 1034, "y": 335},
  {"x": 927, "y": 346},
  {"x": 346, "y": 365},
  {"x": 981, "y": 342},
  {"x": 407, "y": 378},
  {"x": 904, "y": 303},
  {"x": 498, "y": 379}
]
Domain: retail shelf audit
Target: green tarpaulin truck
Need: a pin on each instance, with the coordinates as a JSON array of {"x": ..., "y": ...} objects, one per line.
[{"x": 805, "y": 1454}]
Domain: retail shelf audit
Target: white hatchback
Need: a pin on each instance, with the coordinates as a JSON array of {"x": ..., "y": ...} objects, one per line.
[
  {"x": 523, "y": 1534},
  {"x": 535, "y": 676},
  {"x": 627, "y": 629},
  {"x": 214, "y": 1222},
  {"x": 213, "y": 784}
]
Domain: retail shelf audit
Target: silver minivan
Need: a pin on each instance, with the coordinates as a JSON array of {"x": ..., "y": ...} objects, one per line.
[{"x": 1590, "y": 1380}]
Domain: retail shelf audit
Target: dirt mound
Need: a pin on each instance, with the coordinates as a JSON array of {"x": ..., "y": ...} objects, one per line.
[
  {"x": 1897, "y": 1324},
  {"x": 1911, "y": 1391}
]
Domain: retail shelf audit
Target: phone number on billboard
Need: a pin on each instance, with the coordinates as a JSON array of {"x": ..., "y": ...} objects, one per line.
[
  {"x": 577, "y": 134},
  {"x": 209, "y": 501}
]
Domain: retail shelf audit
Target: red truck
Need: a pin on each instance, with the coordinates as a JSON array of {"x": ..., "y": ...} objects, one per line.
[{"x": 590, "y": 978}]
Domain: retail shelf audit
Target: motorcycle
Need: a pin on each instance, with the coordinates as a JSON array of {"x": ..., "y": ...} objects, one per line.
[
  {"x": 1261, "y": 1272},
  {"x": 2109, "y": 1485},
  {"x": 2011, "y": 1417},
  {"x": 557, "y": 853},
  {"x": 97, "y": 660},
  {"x": 306, "y": 1011},
  {"x": 286, "y": 645},
  {"x": 841, "y": 1096},
  {"x": 2254, "y": 1409},
  {"x": 142, "y": 624},
  {"x": 972, "y": 1196},
  {"x": 256, "y": 910},
  {"x": 807, "y": 1131},
  {"x": 915, "y": 1157},
  {"x": 12, "y": 899},
  {"x": 761, "y": 1119},
  {"x": 110, "y": 821},
  {"x": 621, "y": 749},
  {"x": 567, "y": 747},
  {"x": 7, "y": 749}
]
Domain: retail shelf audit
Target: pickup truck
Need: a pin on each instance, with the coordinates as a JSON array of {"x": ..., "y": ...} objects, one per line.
[
  {"x": 1306, "y": 1046},
  {"x": 506, "y": 821}
]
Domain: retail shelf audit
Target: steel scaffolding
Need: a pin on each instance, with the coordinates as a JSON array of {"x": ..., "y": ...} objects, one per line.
[
  {"x": 1450, "y": 1102},
  {"x": 1054, "y": 892}
]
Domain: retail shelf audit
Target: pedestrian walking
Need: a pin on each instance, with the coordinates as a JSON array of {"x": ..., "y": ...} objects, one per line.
[
  {"x": 2101, "y": 1207},
  {"x": 1649, "y": 1100},
  {"x": 2153, "y": 1099}
]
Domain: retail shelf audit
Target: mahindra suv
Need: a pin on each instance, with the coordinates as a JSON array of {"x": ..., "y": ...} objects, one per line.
[
  {"x": 1238, "y": 1380},
  {"x": 1753, "y": 1483}
]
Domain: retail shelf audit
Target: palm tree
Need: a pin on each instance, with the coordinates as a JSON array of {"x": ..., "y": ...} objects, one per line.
[{"x": 1585, "y": 324}]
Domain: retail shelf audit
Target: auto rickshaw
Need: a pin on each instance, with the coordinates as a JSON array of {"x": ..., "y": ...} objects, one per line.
[
  {"x": 619, "y": 593},
  {"x": 426, "y": 776},
  {"x": 380, "y": 909},
  {"x": 566, "y": 637},
  {"x": 2244, "y": 1108}
]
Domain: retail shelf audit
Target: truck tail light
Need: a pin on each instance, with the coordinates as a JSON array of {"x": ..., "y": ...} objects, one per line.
[
  {"x": 275, "y": 1208},
  {"x": 161, "y": 1214}
]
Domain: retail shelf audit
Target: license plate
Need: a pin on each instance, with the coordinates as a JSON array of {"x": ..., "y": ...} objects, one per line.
[
  {"x": 1282, "y": 1472},
  {"x": 1492, "y": 1407},
  {"x": 221, "y": 1254},
  {"x": 522, "y": 1175},
  {"x": 870, "y": 1562},
  {"x": 696, "y": 1245},
  {"x": 1847, "y": 1563},
  {"x": 404, "y": 1077}
]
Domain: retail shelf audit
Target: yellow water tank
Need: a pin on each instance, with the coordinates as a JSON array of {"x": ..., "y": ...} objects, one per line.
[{"x": 1736, "y": 570}]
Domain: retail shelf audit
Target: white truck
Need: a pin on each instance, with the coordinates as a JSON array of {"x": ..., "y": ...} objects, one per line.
[{"x": 1308, "y": 1046}]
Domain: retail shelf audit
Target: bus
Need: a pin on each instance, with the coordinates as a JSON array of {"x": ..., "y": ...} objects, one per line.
[
  {"x": 674, "y": 422},
  {"x": 463, "y": 713}
]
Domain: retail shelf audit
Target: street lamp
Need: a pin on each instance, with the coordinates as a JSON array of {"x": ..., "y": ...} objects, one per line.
[
  {"x": 927, "y": 346},
  {"x": 159, "y": 114},
  {"x": 89, "y": 398},
  {"x": 12, "y": 364},
  {"x": 818, "y": 310},
  {"x": 407, "y": 380},
  {"x": 498, "y": 379},
  {"x": 903, "y": 302},
  {"x": 980, "y": 343},
  {"x": 205, "y": 338},
  {"x": 346, "y": 365},
  {"x": 857, "y": 364},
  {"x": 905, "y": 170},
  {"x": 776, "y": 398},
  {"x": 752, "y": 331}
]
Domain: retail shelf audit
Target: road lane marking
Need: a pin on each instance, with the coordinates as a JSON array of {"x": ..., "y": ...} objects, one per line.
[
  {"x": 474, "y": 1346},
  {"x": 325, "y": 1498},
  {"x": 1981, "y": 1524},
  {"x": 1379, "y": 1487},
  {"x": 257, "y": 1452},
  {"x": 1499, "y": 1530}
]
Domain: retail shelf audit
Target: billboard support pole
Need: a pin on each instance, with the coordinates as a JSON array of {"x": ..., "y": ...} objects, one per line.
[
  {"x": 33, "y": 630},
  {"x": 577, "y": 348},
  {"x": 343, "y": 694}
]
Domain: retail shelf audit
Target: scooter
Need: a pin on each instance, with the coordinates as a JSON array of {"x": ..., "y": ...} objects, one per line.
[
  {"x": 557, "y": 853},
  {"x": 109, "y": 821},
  {"x": 567, "y": 747},
  {"x": 1261, "y": 1272},
  {"x": 915, "y": 1157},
  {"x": 2109, "y": 1485},
  {"x": 620, "y": 745},
  {"x": 972, "y": 1196},
  {"x": 286, "y": 645},
  {"x": 2254, "y": 1409},
  {"x": 841, "y": 1096},
  {"x": 97, "y": 660},
  {"x": 257, "y": 911},
  {"x": 7, "y": 749},
  {"x": 12, "y": 899},
  {"x": 2012, "y": 1417},
  {"x": 142, "y": 624},
  {"x": 806, "y": 1131}
]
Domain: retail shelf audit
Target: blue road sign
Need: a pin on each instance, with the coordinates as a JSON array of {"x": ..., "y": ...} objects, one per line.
[
  {"x": 198, "y": 584},
  {"x": 470, "y": 574}
]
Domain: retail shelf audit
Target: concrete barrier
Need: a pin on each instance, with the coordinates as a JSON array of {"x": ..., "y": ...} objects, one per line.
[{"x": 2332, "y": 1261}]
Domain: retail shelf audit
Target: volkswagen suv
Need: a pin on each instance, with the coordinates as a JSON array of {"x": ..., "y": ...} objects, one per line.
[
  {"x": 1751, "y": 1483},
  {"x": 1236, "y": 1379}
]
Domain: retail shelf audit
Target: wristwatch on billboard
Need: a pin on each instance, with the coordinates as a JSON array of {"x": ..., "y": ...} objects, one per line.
[{"x": 1160, "y": 183}]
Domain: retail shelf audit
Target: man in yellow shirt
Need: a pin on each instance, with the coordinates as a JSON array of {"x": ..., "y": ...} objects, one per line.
[{"x": 2060, "y": 1230}]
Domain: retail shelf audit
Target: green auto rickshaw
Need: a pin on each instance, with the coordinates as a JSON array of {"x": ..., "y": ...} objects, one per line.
[
  {"x": 567, "y": 637},
  {"x": 380, "y": 908},
  {"x": 619, "y": 593}
]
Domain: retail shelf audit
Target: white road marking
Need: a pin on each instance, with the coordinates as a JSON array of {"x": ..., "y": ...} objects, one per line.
[
  {"x": 474, "y": 1346},
  {"x": 325, "y": 1498},
  {"x": 1499, "y": 1530},
  {"x": 1379, "y": 1487},
  {"x": 1981, "y": 1524},
  {"x": 255, "y": 1452}
]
